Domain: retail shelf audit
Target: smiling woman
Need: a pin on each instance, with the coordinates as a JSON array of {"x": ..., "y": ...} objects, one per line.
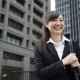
[
  {"x": 52, "y": 57},
  {"x": 52, "y": 5}
]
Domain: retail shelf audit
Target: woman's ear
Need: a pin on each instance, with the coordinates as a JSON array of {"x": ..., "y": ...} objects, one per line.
[{"x": 45, "y": 24}]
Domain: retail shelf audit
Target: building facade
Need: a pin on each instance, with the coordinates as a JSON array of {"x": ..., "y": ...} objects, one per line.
[
  {"x": 21, "y": 24},
  {"x": 70, "y": 11}
]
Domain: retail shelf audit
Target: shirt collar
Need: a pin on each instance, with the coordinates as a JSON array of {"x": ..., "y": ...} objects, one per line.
[{"x": 63, "y": 40}]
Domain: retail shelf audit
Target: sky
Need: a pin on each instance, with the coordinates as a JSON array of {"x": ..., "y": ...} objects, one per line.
[{"x": 52, "y": 5}]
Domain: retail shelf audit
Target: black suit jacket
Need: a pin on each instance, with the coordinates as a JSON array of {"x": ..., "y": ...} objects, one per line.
[{"x": 50, "y": 67}]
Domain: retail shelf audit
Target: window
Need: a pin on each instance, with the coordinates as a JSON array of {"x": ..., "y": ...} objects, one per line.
[
  {"x": 29, "y": 6},
  {"x": 13, "y": 39},
  {"x": 12, "y": 56},
  {"x": 9, "y": 39},
  {"x": 38, "y": 3},
  {"x": 46, "y": 0},
  {"x": 28, "y": 30},
  {"x": 31, "y": 60},
  {"x": 15, "y": 25},
  {"x": 1, "y": 32},
  {"x": 33, "y": 46},
  {"x": 17, "y": 42},
  {"x": 2, "y": 18},
  {"x": 37, "y": 23},
  {"x": 21, "y": 2},
  {"x": 68, "y": 21},
  {"x": 16, "y": 12},
  {"x": 3, "y": 3},
  {"x": 27, "y": 43},
  {"x": 28, "y": 18},
  {"x": 38, "y": 13},
  {"x": 46, "y": 9},
  {"x": 68, "y": 28},
  {"x": 36, "y": 35}
]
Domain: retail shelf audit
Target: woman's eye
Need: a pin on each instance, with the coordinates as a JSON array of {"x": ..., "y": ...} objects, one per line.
[
  {"x": 54, "y": 20},
  {"x": 61, "y": 20}
]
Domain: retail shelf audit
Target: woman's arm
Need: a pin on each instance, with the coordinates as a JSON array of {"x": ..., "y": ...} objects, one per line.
[{"x": 47, "y": 71}]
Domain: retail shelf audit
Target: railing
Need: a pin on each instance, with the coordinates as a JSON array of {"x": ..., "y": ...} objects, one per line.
[{"x": 21, "y": 75}]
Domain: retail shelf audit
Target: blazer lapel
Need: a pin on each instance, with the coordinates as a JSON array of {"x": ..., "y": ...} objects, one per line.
[
  {"x": 50, "y": 46},
  {"x": 66, "y": 50}
]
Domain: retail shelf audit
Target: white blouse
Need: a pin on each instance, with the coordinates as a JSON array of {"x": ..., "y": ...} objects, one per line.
[{"x": 59, "y": 46}]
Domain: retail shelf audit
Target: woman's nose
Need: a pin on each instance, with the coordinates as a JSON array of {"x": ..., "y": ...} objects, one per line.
[{"x": 58, "y": 22}]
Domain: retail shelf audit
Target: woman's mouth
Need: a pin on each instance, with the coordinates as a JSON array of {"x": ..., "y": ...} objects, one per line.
[{"x": 57, "y": 28}]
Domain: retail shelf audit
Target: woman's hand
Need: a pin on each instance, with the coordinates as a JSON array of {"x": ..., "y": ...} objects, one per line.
[
  {"x": 75, "y": 64},
  {"x": 70, "y": 59}
]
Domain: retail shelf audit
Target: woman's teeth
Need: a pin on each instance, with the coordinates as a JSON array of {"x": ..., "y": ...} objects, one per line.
[{"x": 57, "y": 27}]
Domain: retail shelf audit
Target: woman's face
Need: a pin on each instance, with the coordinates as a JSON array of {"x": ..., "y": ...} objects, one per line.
[{"x": 56, "y": 26}]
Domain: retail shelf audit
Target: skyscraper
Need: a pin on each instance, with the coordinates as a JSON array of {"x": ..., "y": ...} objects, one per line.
[
  {"x": 70, "y": 11},
  {"x": 21, "y": 24}
]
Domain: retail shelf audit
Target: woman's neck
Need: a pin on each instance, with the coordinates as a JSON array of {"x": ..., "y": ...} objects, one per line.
[{"x": 56, "y": 38}]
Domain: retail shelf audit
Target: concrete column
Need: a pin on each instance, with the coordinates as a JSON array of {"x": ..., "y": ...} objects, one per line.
[
  {"x": 25, "y": 25},
  {"x": 6, "y": 20},
  {"x": 31, "y": 27},
  {"x": 0, "y": 7},
  {"x": 26, "y": 64},
  {"x": 1, "y": 59}
]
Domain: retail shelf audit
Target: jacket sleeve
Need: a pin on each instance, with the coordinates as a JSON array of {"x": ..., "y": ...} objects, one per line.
[{"x": 43, "y": 71}]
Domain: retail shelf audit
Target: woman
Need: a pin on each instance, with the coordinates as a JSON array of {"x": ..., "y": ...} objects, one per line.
[{"x": 53, "y": 60}]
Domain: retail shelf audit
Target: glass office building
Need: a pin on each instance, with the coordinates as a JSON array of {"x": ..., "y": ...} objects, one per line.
[{"x": 70, "y": 10}]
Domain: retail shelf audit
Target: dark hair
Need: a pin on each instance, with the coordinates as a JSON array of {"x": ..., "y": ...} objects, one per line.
[{"x": 46, "y": 33}]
